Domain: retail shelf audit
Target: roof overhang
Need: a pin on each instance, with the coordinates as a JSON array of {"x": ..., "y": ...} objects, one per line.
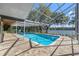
[
  {"x": 3, "y": 17},
  {"x": 17, "y": 10}
]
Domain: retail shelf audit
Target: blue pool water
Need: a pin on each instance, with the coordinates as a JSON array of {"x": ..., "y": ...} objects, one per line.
[{"x": 43, "y": 39}]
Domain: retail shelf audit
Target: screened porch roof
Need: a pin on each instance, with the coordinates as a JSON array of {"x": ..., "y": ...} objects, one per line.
[{"x": 22, "y": 10}]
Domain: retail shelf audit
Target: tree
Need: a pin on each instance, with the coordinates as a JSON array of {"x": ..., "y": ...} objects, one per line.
[
  {"x": 32, "y": 15},
  {"x": 39, "y": 16},
  {"x": 60, "y": 19}
]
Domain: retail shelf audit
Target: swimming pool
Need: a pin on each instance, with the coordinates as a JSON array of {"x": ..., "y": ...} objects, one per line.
[{"x": 42, "y": 39}]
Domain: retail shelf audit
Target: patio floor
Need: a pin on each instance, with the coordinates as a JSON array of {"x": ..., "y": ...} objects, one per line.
[{"x": 65, "y": 46}]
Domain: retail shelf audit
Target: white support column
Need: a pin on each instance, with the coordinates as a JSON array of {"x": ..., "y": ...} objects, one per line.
[
  {"x": 24, "y": 28},
  {"x": 16, "y": 27}
]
